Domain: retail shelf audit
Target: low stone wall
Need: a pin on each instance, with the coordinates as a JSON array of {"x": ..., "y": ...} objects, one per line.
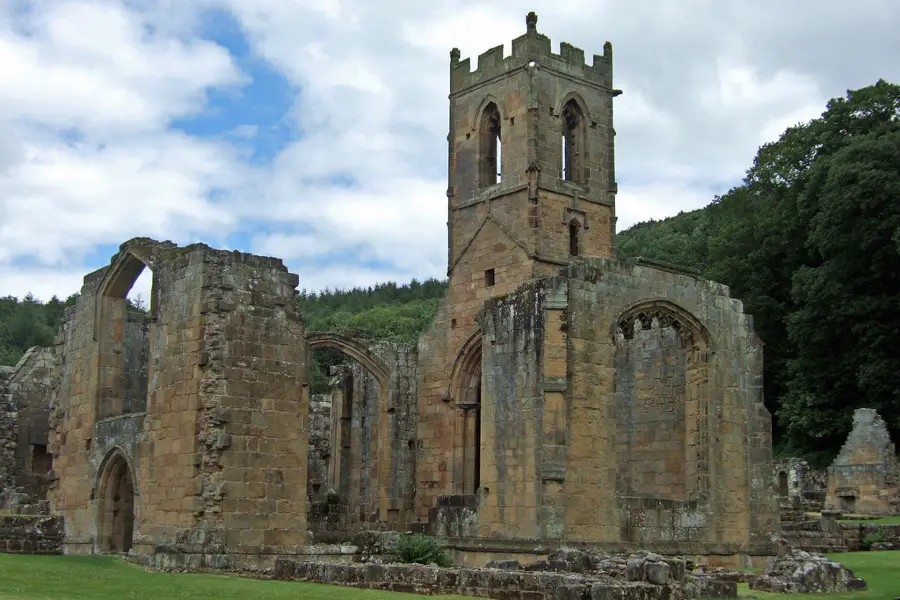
[
  {"x": 31, "y": 535},
  {"x": 855, "y": 535},
  {"x": 487, "y": 583}
]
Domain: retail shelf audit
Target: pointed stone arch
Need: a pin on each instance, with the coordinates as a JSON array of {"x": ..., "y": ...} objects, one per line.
[
  {"x": 361, "y": 353},
  {"x": 356, "y": 350},
  {"x": 115, "y": 495},
  {"x": 464, "y": 394},
  {"x": 114, "y": 396},
  {"x": 664, "y": 351}
]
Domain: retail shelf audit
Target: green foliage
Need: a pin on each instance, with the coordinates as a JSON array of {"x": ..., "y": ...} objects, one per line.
[
  {"x": 872, "y": 538},
  {"x": 28, "y": 322},
  {"x": 423, "y": 550},
  {"x": 385, "y": 312},
  {"x": 810, "y": 242}
]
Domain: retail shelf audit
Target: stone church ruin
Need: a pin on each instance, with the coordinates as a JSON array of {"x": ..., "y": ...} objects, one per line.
[{"x": 559, "y": 398}]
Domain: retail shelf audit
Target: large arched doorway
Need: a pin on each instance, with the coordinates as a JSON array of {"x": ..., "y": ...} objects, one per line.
[
  {"x": 365, "y": 428},
  {"x": 115, "y": 505},
  {"x": 465, "y": 392}
]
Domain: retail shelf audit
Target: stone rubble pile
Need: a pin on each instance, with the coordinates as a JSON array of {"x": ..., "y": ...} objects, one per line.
[
  {"x": 802, "y": 572},
  {"x": 674, "y": 573}
]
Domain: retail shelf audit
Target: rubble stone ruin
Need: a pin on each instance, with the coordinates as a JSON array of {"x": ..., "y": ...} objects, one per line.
[
  {"x": 560, "y": 397},
  {"x": 865, "y": 476}
]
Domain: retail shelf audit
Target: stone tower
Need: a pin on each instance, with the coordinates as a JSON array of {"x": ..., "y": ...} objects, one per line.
[{"x": 531, "y": 150}]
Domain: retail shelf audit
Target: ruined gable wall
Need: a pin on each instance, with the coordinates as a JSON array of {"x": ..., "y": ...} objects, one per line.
[
  {"x": 866, "y": 470},
  {"x": 727, "y": 456}
]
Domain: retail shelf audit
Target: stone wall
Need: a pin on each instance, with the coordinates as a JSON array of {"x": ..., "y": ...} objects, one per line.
[
  {"x": 320, "y": 442},
  {"x": 25, "y": 418},
  {"x": 31, "y": 535},
  {"x": 7, "y": 431},
  {"x": 798, "y": 485},
  {"x": 579, "y": 370},
  {"x": 865, "y": 476},
  {"x": 479, "y": 583},
  {"x": 216, "y": 463}
]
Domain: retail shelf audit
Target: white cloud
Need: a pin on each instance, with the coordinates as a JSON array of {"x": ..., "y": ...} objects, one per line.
[{"x": 86, "y": 156}]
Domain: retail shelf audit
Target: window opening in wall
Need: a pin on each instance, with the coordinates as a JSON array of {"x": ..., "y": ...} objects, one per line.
[
  {"x": 127, "y": 308},
  {"x": 489, "y": 278},
  {"x": 782, "y": 484},
  {"x": 573, "y": 142},
  {"x": 41, "y": 461},
  {"x": 490, "y": 142},
  {"x": 574, "y": 234}
]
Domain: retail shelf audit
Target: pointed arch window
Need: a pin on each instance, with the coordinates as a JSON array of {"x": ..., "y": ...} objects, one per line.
[
  {"x": 490, "y": 140},
  {"x": 573, "y": 142}
]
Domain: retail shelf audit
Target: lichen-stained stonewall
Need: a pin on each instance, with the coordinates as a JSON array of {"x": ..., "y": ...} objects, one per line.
[{"x": 203, "y": 454}]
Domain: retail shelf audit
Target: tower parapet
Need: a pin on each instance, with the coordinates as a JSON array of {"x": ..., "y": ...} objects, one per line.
[{"x": 531, "y": 47}]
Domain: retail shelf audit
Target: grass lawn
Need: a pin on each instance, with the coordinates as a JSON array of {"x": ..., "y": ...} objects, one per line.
[
  {"x": 111, "y": 578},
  {"x": 895, "y": 520},
  {"x": 881, "y": 570}
]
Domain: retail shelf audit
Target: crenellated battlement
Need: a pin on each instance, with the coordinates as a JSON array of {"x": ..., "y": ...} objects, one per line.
[{"x": 531, "y": 47}]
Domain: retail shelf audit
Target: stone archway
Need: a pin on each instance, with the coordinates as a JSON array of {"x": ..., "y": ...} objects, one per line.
[
  {"x": 115, "y": 501},
  {"x": 782, "y": 484},
  {"x": 465, "y": 394},
  {"x": 360, "y": 352}
]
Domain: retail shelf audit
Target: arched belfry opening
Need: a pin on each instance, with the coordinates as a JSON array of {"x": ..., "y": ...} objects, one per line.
[
  {"x": 490, "y": 142},
  {"x": 573, "y": 142},
  {"x": 115, "y": 505}
]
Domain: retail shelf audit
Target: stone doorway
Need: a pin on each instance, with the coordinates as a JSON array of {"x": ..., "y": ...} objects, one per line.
[
  {"x": 783, "y": 484},
  {"x": 115, "y": 506}
]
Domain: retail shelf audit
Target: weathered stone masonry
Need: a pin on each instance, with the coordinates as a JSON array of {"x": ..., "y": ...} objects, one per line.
[
  {"x": 215, "y": 463},
  {"x": 560, "y": 397},
  {"x": 865, "y": 476},
  {"x": 25, "y": 462}
]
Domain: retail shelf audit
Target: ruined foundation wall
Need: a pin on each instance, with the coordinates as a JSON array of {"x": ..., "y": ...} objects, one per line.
[{"x": 865, "y": 476}]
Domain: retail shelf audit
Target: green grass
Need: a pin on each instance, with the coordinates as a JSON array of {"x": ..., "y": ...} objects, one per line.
[
  {"x": 881, "y": 521},
  {"x": 111, "y": 578},
  {"x": 879, "y": 569}
]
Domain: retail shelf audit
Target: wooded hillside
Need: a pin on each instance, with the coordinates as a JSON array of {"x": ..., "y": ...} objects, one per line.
[{"x": 810, "y": 242}]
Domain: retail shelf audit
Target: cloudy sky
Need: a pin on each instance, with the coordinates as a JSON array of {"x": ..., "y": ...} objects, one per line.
[{"x": 315, "y": 130}]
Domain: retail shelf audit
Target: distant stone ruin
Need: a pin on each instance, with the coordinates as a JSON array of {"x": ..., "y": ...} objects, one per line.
[{"x": 865, "y": 476}]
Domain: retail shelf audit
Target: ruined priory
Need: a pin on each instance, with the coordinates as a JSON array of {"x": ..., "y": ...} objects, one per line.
[{"x": 560, "y": 397}]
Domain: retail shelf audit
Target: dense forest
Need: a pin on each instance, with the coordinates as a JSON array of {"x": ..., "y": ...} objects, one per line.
[{"x": 809, "y": 241}]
